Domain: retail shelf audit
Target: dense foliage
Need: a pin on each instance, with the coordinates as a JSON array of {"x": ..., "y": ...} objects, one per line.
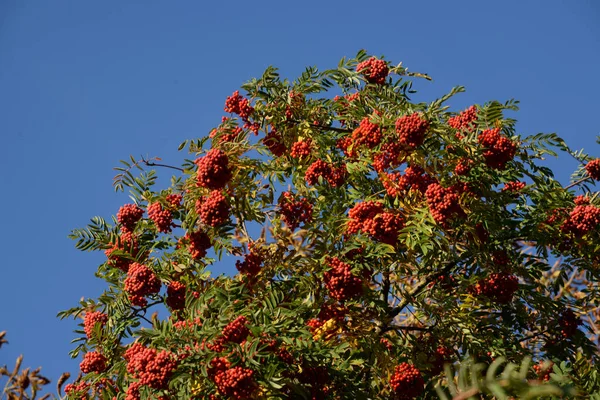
[{"x": 385, "y": 249}]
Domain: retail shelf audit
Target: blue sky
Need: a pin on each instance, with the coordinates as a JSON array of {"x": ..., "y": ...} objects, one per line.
[{"x": 84, "y": 84}]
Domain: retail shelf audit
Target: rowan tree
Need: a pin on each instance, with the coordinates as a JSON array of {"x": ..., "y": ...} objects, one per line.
[{"x": 385, "y": 249}]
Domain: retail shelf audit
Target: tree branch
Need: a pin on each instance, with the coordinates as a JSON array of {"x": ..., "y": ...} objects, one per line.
[
  {"x": 153, "y": 164},
  {"x": 577, "y": 183}
]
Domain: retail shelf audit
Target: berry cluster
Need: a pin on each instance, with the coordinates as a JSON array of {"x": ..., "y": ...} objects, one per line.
[
  {"x": 582, "y": 200},
  {"x": 199, "y": 243},
  {"x": 174, "y": 200},
  {"x": 414, "y": 178},
  {"x": 125, "y": 243},
  {"x": 128, "y": 216},
  {"x": 464, "y": 120},
  {"x": 91, "y": 319},
  {"x": 213, "y": 170},
  {"x": 141, "y": 282},
  {"x": 226, "y": 134},
  {"x": 389, "y": 156},
  {"x": 498, "y": 149},
  {"x": 442, "y": 355},
  {"x": 374, "y": 70},
  {"x": 443, "y": 203},
  {"x": 236, "y": 331},
  {"x": 214, "y": 209},
  {"x": 236, "y": 383},
  {"x": 93, "y": 362},
  {"x": 407, "y": 382},
  {"x": 344, "y": 103},
  {"x": 514, "y": 186},
  {"x": 411, "y": 130},
  {"x": 176, "y": 295},
  {"x": 367, "y": 134},
  {"x": 463, "y": 167},
  {"x": 238, "y": 104},
  {"x": 543, "y": 370},
  {"x": 334, "y": 175},
  {"x": 151, "y": 367},
  {"x": 371, "y": 218},
  {"x": 340, "y": 281},
  {"x": 251, "y": 265},
  {"x": 582, "y": 220},
  {"x": 163, "y": 218},
  {"x": 593, "y": 169},
  {"x": 568, "y": 323},
  {"x": 301, "y": 148},
  {"x": 274, "y": 142},
  {"x": 498, "y": 287},
  {"x": 294, "y": 210},
  {"x": 77, "y": 390}
]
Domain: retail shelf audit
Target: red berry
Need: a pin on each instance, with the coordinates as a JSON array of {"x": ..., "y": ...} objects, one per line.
[
  {"x": 213, "y": 170},
  {"x": 129, "y": 215},
  {"x": 274, "y": 142},
  {"x": 593, "y": 169},
  {"x": 443, "y": 203},
  {"x": 367, "y": 134},
  {"x": 91, "y": 319},
  {"x": 411, "y": 130},
  {"x": 407, "y": 382},
  {"x": 301, "y": 149},
  {"x": 374, "y": 70},
  {"x": 214, "y": 209},
  {"x": 237, "y": 104},
  {"x": 151, "y": 367},
  {"x": 464, "y": 121},
  {"x": 93, "y": 362},
  {"x": 141, "y": 282},
  {"x": 340, "y": 281},
  {"x": 568, "y": 323},
  {"x": 199, "y": 243},
  {"x": 163, "y": 218},
  {"x": 514, "y": 186},
  {"x": 498, "y": 149},
  {"x": 498, "y": 287},
  {"x": 294, "y": 210},
  {"x": 236, "y": 331}
]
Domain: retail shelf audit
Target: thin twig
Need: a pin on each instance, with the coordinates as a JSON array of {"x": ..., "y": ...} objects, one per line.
[
  {"x": 577, "y": 182},
  {"x": 153, "y": 164}
]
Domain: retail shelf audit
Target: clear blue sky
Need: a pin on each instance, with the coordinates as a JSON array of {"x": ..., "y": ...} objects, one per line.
[{"x": 84, "y": 84}]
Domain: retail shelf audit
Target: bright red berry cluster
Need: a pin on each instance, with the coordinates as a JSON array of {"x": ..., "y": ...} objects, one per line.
[
  {"x": 389, "y": 156},
  {"x": 93, "y": 362},
  {"x": 335, "y": 176},
  {"x": 514, "y": 186},
  {"x": 274, "y": 142},
  {"x": 374, "y": 70},
  {"x": 464, "y": 120},
  {"x": 582, "y": 200},
  {"x": 326, "y": 313},
  {"x": 128, "y": 216},
  {"x": 294, "y": 210},
  {"x": 238, "y": 104},
  {"x": 163, "y": 218},
  {"x": 236, "y": 383},
  {"x": 498, "y": 149},
  {"x": 411, "y": 130},
  {"x": 91, "y": 319},
  {"x": 498, "y": 287},
  {"x": 371, "y": 218},
  {"x": 568, "y": 323},
  {"x": 141, "y": 282},
  {"x": 199, "y": 243},
  {"x": 443, "y": 203},
  {"x": 593, "y": 169},
  {"x": 340, "y": 281},
  {"x": 78, "y": 390},
  {"x": 582, "y": 220},
  {"x": 176, "y": 295},
  {"x": 213, "y": 170},
  {"x": 367, "y": 134},
  {"x": 301, "y": 148},
  {"x": 214, "y": 209},
  {"x": 151, "y": 367},
  {"x": 414, "y": 178},
  {"x": 174, "y": 200},
  {"x": 251, "y": 265},
  {"x": 407, "y": 382},
  {"x": 236, "y": 331}
]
